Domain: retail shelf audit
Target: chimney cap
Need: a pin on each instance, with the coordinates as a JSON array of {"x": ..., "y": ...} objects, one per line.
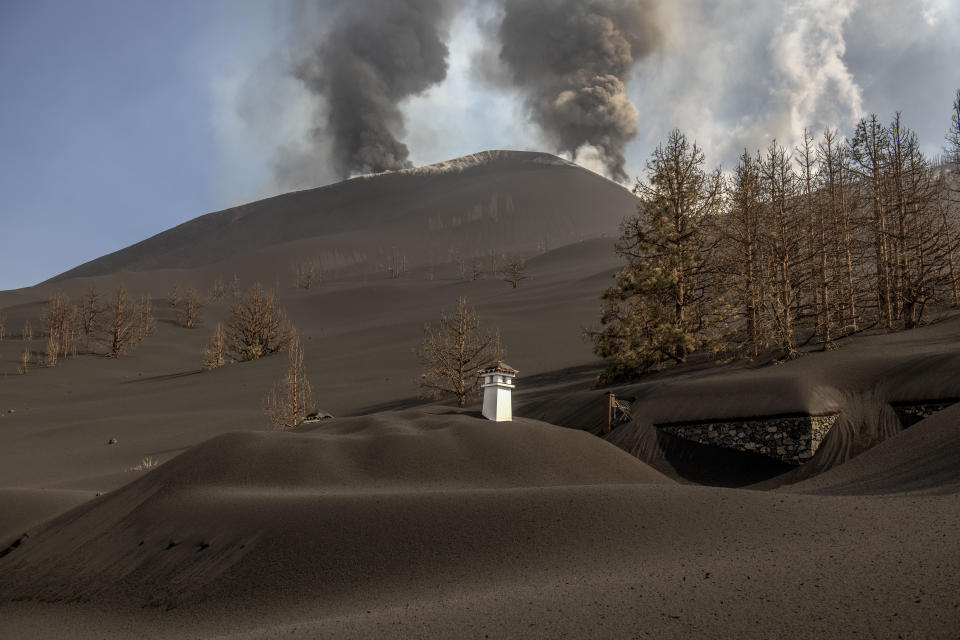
[{"x": 498, "y": 367}]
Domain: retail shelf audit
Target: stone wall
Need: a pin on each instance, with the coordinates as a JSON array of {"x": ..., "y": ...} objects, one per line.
[
  {"x": 911, "y": 413},
  {"x": 791, "y": 439}
]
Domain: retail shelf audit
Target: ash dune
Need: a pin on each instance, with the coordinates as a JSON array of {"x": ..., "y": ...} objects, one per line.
[
  {"x": 402, "y": 518},
  {"x": 257, "y": 535},
  {"x": 434, "y": 523}
]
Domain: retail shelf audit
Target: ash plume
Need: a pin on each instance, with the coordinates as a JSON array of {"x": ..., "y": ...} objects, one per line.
[
  {"x": 373, "y": 55},
  {"x": 571, "y": 59}
]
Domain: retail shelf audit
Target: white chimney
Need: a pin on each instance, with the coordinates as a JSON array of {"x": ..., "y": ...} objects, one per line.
[{"x": 499, "y": 381}]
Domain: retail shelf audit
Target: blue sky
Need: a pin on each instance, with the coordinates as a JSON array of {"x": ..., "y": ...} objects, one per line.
[
  {"x": 105, "y": 133},
  {"x": 119, "y": 119}
]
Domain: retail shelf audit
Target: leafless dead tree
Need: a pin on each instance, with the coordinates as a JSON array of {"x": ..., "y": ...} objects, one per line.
[
  {"x": 173, "y": 297},
  {"x": 398, "y": 263},
  {"x": 514, "y": 270},
  {"x": 454, "y": 351},
  {"x": 216, "y": 291},
  {"x": 129, "y": 323},
  {"x": 461, "y": 265},
  {"x": 62, "y": 327},
  {"x": 952, "y": 149},
  {"x": 215, "y": 353},
  {"x": 787, "y": 252},
  {"x": 308, "y": 272},
  {"x": 257, "y": 326},
  {"x": 144, "y": 322},
  {"x": 495, "y": 261},
  {"x": 289, "y": 402},
  {"x": 868, "y": 154},
  {"x": 52, "y": 352},
  {"x": 24, "y": 362},
  {"x": 741, "y": 258},
  {"x": 91, "y": 310},
  {"x": 190, "y": 308},
  {"x": 27, "y": 332}
]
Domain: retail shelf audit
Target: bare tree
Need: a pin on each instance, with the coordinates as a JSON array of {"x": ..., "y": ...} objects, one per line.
[
  {"x": 190, "y": 308},
  {"x": 24, "y": 362},
  {"x": 215, "y": 353},
  {"x": 454, "y": 351},
  {"x": 91, "y": 310},
  {"x": 129, "y": 323},
  {"x": 953, "y": 136},
  {"x": 398, "y": 263},
  {"x": 948, "y": 195},
  {"x": 235, "y": 287},
  {"x": 837, "y": 237},
  {"x": 289, "y": 402},
  {"x": 62, "y": 327},
  {"x": 950, "y": 242},
  {"x": 514, "y": 270},
  {"x": 187, "y": 305},
  {"x": 786, "y": 250},
  {"x": 914, "y": 234},
  {"x": 820, "y": 239},
  {"x": 495, "y": 261},
  {"x": 27, "y": 332},
  {"x": 457, "y": 259},
  {"x": 833, "y": 158},
  {"x": 476, "y": 270},
  {"x": 868, "y": 153},
  {"x": 52, "y": 352},
  {"x": 216, "y": 291},
  {"x": 257, "y": 326},
  {"x": 144, "y": 322},
  {"x": 740, "y": 237},
  {"x": 308, "y": 272},
  {"x": 173, "y": 297}
]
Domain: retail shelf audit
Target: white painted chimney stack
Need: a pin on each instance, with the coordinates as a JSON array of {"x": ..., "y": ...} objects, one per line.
[{"x": 499, "y": 381}]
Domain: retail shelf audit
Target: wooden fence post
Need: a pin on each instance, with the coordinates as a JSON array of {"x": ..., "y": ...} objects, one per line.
[{"x": 611, "y": 403}]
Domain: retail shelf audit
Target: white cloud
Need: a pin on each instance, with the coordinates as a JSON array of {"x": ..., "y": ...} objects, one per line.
[
  {"x": 813, "y": 85},
  {"x": 934, "y": 10}
]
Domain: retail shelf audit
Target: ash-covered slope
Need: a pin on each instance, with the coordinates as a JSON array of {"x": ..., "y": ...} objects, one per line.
[
  {"x": 328, "y": 477},
  {"x": 446, "y": 525},
  {"x": 489, "y": 201}
]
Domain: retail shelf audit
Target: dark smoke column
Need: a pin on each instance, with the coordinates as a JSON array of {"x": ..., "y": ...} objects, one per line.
[
  {"x": 571, "y": 58},
  {"x": 375, "y": 54}
]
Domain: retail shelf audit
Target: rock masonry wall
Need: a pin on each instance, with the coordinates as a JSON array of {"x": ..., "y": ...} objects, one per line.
[
  {"x": 912, "y": 413},
  {"x": 791, "y": 439}
]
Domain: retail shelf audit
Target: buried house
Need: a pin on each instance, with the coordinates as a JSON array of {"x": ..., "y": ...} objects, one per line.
[{"x": 498, "y": 385}]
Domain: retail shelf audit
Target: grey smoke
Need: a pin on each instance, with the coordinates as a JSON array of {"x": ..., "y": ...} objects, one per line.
[
  {"x": 373, "y": 55},
  {"x": 571, "y": 59}
]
